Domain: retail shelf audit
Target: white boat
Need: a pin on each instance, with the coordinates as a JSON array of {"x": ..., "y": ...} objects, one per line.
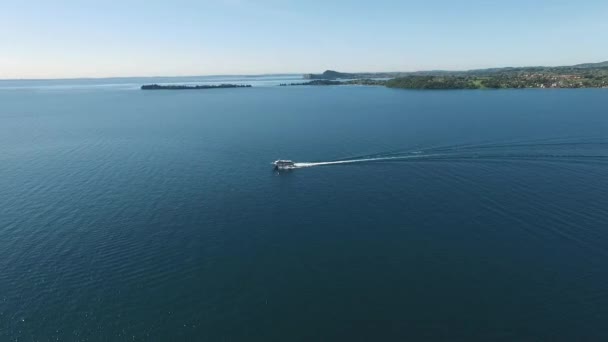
[{"x": 282, "y": 164}]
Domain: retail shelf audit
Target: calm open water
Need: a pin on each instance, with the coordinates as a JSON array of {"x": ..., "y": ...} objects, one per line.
[{"x": 155, "y": 215}]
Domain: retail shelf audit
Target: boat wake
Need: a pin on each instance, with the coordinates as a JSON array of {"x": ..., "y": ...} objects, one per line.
[
  {"x": 363, "y": 160},
  {"x": 561, "y": 150}
]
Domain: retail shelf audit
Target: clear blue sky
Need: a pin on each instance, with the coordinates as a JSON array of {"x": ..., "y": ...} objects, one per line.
[{"x": 55, "y": 39}]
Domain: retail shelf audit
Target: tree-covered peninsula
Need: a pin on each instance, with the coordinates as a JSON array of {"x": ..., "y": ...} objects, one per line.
[{"x": 589, "y": 75}]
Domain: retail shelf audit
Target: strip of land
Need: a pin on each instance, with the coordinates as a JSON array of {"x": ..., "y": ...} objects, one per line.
[
  {"x": 335, "y": 82},
  {"x": 186, "y": 87},
  {"x": 589, "y": 75}
]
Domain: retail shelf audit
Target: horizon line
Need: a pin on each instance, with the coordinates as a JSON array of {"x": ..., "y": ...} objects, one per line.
[{"x": 290, "y": 73}]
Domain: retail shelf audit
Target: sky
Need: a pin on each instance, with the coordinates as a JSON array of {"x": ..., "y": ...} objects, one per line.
[{"x": 67, "y": 39}]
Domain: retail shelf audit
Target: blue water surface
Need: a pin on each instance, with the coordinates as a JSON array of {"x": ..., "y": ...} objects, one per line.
[{"x": 156, "y": 215}]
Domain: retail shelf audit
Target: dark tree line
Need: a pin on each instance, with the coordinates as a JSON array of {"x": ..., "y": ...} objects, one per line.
[{"x": 433, "y": 82}]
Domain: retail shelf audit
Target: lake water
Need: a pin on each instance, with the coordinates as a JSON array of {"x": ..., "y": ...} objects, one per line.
[{"x": 156, "y": 215}]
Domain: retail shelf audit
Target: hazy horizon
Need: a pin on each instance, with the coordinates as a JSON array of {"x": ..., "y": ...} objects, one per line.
[
  {"x": 241, "y": 37},
  {"x": 288, "y": 73}
]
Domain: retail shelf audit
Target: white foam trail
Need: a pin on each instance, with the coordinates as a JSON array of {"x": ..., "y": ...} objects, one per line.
[{"x": 302, "y": 165}]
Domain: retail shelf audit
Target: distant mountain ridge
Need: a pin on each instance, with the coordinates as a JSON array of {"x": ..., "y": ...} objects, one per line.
[
  {"x": 592, "y": 65},
  {"x": 578, "y": 68}
]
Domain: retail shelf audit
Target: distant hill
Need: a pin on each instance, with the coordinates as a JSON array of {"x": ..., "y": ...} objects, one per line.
[
  {"x": 574, "y": 69},
  {"x": 328, "y": 75},
  {"x": 592, "y": 65}
]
